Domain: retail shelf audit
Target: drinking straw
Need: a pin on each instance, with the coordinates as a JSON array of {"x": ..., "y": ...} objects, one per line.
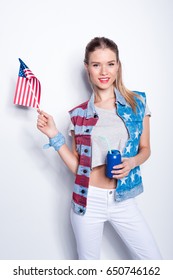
[{"x": 107, "y": 142}]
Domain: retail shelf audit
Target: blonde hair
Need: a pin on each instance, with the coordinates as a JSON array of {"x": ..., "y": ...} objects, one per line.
[{"x": 101, "y": 43}]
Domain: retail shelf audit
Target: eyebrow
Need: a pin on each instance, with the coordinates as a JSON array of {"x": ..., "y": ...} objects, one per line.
[{"x": 107, "y": 61}]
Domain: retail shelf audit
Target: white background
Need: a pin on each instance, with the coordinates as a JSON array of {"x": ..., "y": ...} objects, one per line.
[{"x": 35, "y": 186}]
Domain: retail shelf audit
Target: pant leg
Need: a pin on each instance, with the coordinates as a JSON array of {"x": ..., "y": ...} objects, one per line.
[
  {"x": 129, "y": 223},
  {"x": 88, "y": 229}
]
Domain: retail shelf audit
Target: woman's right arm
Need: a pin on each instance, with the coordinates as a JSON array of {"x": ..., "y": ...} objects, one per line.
[{"x": 46, "y": 124}]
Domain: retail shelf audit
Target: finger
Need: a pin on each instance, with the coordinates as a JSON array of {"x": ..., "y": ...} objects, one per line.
[
  {"x": 118, "y": 166},
  {"x": 121, "y": 170},
  {"x": 115, "y": 172},
  {"x": 42, "y": 118},
  {"x": 43, "y": 114},
  {"x": 124, "y": 159},
  {"x": 38, "y": 110},
  {"x": 39, "y": 126},
  {"x": 40, "y": 123},
  {"x": 120, "y": 176}
]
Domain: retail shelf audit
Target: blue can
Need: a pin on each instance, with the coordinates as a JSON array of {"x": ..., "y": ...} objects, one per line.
[{"x": 113, "y": 158}]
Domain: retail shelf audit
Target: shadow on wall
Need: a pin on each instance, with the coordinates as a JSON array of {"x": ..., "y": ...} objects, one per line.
[{"x": 86, "y": 82}]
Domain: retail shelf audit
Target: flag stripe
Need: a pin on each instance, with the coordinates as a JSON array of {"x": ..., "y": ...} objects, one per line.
[
  {"x": 16, "y": 94},
  {"x": 24, "y": 90}
]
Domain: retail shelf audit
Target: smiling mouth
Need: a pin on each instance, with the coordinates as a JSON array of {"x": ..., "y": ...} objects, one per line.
[{"x": 104, "y": 80}]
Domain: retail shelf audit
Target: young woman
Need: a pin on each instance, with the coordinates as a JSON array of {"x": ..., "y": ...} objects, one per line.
[{"x": 122, "y": 117}]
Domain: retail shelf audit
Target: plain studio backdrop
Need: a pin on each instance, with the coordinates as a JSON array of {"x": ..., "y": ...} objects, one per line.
[{"x": 35, "y": 186}]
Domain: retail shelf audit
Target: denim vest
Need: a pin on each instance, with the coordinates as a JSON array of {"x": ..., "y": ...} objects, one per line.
[{"x": 84, "y": 117}]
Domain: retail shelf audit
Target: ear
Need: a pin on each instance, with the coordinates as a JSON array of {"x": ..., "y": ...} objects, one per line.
[
  {"x": 86, "y": 66},
  {"x": 87, "y": 71}
]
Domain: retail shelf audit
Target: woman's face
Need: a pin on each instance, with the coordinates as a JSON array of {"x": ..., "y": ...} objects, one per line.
[{"x": 102, "y": 68}]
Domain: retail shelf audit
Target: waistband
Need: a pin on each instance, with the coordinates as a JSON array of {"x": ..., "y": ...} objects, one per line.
[{"x": 101, "y": 190}]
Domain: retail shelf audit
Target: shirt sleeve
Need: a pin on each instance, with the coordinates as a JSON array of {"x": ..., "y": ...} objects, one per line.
[{"x": 147, "y": 111}]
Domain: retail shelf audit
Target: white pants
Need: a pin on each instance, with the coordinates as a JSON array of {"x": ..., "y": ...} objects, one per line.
[{"x": 125, "y": 218}]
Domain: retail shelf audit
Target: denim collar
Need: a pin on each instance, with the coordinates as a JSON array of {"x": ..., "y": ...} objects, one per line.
[{"x": 91, "y": 108}]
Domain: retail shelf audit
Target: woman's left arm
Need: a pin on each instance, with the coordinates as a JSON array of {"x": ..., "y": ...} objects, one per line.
[{"x": 141, "y": 157}]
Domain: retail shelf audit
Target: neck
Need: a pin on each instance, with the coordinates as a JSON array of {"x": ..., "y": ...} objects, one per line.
[{"x": 104, "y": 95}]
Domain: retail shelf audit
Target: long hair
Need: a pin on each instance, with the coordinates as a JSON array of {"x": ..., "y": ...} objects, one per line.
[{"x": 102, "y": 43}]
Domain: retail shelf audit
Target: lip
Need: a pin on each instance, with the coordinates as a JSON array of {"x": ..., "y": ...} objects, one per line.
[{"x": 104, "y": 80}]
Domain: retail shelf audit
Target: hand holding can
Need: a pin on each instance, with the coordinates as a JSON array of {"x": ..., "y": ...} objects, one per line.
[{"x": 113, "y": 158}]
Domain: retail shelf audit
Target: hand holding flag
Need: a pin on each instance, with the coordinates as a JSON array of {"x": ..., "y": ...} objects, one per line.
[{"x": 28, "y": 88}]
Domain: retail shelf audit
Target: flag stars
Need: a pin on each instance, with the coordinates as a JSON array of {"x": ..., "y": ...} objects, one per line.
[
  {"x": 138, "y": 173},
  {"x": 128, "y": 148},
  {"x": 140, "y": 113},
  {"x": 21, "y": 73},
  {"x": 136, "y": 133},
  {"x": 123, "y": 180},
  {"x": 132, "y": 177},
  {"x": 127, "y": 116}
]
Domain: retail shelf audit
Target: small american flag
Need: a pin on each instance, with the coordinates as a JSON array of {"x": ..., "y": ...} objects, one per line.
[{"x": 28, "y": 88}]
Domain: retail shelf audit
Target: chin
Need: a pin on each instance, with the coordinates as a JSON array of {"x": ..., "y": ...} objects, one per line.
[{"x": 104, "y": 87}]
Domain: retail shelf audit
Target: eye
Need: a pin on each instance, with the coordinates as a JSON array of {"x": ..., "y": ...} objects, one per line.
[
  {"x": 95, "y": 65},
  {"x": 111, "y": 64}
]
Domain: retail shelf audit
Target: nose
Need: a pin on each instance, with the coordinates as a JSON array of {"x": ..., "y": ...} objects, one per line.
[{"x": 103, "y": 70}]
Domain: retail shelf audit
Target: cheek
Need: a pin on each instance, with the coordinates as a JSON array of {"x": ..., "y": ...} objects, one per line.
[
  {"x": 93, "y": 74},
  {"x": 114, "y": 72}
]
